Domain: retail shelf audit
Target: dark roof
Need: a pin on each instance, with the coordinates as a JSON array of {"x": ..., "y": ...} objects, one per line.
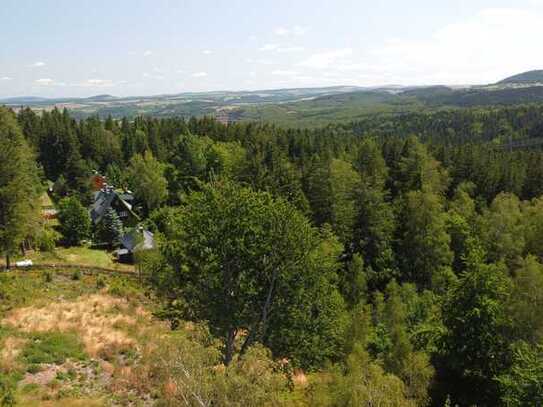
[
  {"x": 103, "y": 200},
  {"x": 138, "y": 240}
]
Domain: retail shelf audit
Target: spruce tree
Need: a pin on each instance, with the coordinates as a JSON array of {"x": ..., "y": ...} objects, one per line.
[
  {"x": 110, "y": 229},
  {"x": 19, "y": 186}
]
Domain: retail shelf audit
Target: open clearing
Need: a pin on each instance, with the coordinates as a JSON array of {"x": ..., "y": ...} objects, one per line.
[{"x": 75, "y": 340}]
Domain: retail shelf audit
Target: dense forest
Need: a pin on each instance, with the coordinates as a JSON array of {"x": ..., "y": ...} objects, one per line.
[{"x": 397, "y": 258}]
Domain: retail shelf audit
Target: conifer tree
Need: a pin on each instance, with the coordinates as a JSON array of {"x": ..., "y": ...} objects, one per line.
[
  {"x": 110, "y": 229},
  {"x": 19, "y": 186}
]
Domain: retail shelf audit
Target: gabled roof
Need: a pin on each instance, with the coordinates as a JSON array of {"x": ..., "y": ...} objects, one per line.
[
  {"x": 138, "y": 240},
  {"x": 102, "y": 202}
]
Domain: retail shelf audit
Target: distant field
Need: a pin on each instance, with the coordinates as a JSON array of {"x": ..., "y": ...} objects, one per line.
[{"x": 330, "y": 109}]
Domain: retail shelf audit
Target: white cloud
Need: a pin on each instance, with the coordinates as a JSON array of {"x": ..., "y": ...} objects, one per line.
[
  {"x": 207, "y": 52},
  {"x": 269, "y": 47},
  {"x": 38, "y": 64},
  {"x": 279, "y": 48},
  {"x": 281, "y": 31},
  {"x": 44, "y": 81},
  {"x": 5, "y": 78},
  {"x": 280, "y": 72},
  {"x": 298, "y": 30},
  {"x": 260, "y": 61},
  {"x": 147, "y": 53},
  {"x": 285, "y": 31},
  {"x": 494, "y": 43},
  {"x": 323, "y": 60},
  {"x": 290, "y": 49},
  {"x": 199, "y": 74}
]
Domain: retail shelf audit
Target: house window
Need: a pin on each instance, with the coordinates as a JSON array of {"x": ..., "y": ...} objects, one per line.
[{"x": 123, "y": 214}]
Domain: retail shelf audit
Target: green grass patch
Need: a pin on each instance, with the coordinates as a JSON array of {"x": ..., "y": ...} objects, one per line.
[
  {"x": 79, "y": 255},
  {"x": 52, "y": 347},
  {"x": 122, "y": 287}
]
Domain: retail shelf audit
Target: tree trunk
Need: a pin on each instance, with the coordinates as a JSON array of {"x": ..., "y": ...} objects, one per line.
[
  {"x": 8, "y": 262},
  {"x": 263, "y": 317},
  {"x": 229, "y": 351}
]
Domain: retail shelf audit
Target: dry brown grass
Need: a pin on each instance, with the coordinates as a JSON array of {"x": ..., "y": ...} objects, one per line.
[
  {"x": 11, "y": 348},
  {"x": 67, "y": 402},
  {"x": 96, "y": 318},
  {"x": 299, "y": 378}
]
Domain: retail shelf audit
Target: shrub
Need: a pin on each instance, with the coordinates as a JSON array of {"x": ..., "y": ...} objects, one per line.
[
  {"x": 47, "y": 276},
  {"x": 100, "y": 282},
  {"x": 76, "y": 275},
  {"x": 184, "y": 369},
  {"x": 121, "y": 287},
  {"x": 47, "y": 239}
]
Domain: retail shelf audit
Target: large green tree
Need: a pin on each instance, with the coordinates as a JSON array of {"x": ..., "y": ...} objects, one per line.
[
  {"x": 146, "y": 178},
  {"x": 475, "y": 347},
  {"x": 424, "y": 252},
  {"x": 250, "y": 264},
  {"x": 375, "y": 222},
  {"x": 75, "y": 222},
  {"x": 19, "y": 186}
]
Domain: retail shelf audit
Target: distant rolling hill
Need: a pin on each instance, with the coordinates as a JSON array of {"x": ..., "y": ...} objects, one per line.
[
  {"x": 535, "y": 76},
  {"x": 302, "y": 106}
]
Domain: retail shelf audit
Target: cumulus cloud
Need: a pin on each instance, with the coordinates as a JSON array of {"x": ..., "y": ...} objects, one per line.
[
  {"x": 323, "y": 60},
  {"x": 290, "y": 49},
  {"x": 285, "y": 31},
  {"x": 281, "y": 31},
  {"x": 199, "y": 74},
  {"x": 492, "y": 44},
  {"x": 280, "y": 49}
]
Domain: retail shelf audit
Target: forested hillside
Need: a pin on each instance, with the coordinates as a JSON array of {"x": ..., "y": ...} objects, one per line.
[{"x": 391, "y": 261}]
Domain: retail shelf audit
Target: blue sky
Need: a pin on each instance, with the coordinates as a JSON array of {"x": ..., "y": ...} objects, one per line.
[{"x": 142, "y": 47}]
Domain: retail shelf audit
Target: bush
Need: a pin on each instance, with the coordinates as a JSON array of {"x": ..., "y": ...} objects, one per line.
[
  {"x": 47, "y": 239},
  {"x": 76, "y": 275},
  {"x": 121, "y": 287},
  {"x": 47, "y": 276},
  {"x": 100, "y": 282},
  {"x": 185, "y": 368}
]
